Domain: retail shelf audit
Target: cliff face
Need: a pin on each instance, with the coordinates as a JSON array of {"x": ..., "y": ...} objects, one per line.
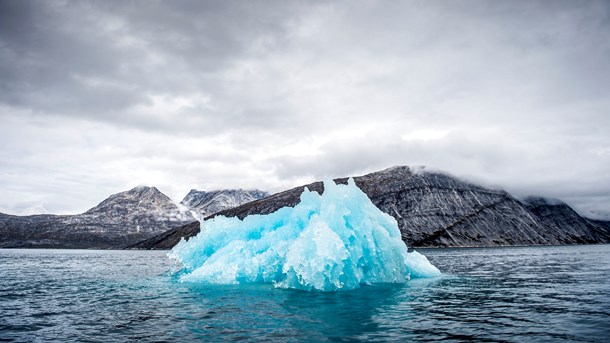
[
  {"x": 123, "y": 219},
  {"x": 438, "y": 210}
]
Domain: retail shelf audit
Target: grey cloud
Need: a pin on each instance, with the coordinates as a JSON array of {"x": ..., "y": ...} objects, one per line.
[
  {"x": 273, "y": 94},
  {"x": 69, "y": 59}
]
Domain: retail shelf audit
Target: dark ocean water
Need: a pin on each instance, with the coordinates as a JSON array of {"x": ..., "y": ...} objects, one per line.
[{"x": 546, "y": 294}]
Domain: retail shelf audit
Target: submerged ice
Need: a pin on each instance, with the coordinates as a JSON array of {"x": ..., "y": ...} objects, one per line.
[{"x": 335, "y": 241}]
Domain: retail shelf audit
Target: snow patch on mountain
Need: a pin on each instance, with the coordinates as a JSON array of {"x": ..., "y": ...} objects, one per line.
[{"x": 202, "y": 203}]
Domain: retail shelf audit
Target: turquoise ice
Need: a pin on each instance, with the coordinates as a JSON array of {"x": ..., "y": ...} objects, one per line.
[{"x": 335, "y": 241}]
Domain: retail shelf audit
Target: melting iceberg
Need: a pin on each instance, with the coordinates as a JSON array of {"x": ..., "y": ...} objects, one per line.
[{"x": 335, "y": 241}]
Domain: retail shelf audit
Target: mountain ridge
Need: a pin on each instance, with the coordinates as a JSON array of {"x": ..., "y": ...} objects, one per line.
[
  {"x": 432, "y": 209},
  {"x": 435, "y": 209}
]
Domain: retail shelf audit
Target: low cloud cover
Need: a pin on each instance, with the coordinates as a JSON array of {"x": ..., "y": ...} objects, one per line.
[{"x": 100, "y": 96}]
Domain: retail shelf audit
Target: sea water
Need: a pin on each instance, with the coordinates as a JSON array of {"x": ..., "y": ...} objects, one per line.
[{"x": 544, "y": 294}]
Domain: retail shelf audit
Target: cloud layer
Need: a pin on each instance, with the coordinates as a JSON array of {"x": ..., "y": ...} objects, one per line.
[{"x": 96, "y": 97}]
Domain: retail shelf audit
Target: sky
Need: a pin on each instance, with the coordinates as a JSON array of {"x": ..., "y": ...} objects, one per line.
[{"x": 97, "y": 97}]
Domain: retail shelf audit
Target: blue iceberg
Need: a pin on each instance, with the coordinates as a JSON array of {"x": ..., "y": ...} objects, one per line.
[{"x": 335, "y": 241}]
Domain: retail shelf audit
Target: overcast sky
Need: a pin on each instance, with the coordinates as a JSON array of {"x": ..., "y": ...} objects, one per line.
[{"x": 97, "y": 97}]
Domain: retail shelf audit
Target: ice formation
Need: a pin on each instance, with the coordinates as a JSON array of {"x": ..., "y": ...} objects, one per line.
[{"x": 335, "y": 241}]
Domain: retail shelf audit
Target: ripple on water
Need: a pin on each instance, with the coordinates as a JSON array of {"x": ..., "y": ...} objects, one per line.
[{"x": 505, "y": 294}]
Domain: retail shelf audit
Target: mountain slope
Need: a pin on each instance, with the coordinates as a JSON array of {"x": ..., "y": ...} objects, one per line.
[
  {"x": 168, "y": 239},
  {"x": 435, "y": 209},
  {"x": 567, "y": 226},
  {"x": 204, "y": 203},
  {"x": 121, "y": 220}
]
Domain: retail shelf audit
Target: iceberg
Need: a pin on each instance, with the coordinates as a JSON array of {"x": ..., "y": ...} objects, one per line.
[{"x": 335, "y": 241}]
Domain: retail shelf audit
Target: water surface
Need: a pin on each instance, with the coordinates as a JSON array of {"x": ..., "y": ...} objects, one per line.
[{"x": 548, "y": 294}]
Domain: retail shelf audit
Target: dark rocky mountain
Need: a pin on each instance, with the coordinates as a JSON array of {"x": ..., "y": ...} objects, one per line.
[
  {"x": 562, "y": 222},
  {"x": 437, "y": 210},
  {"x": 168, "y": 239},
  {"x": 121, "y": 220},
  {"x": 203, "y": 204}
]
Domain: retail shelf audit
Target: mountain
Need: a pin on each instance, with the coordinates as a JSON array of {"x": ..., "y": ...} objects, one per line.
[
  {"x": 437, "y": 210},
  {"x": 203, "y": 204},
  {"x": 567, "y": 226},
  {"x": 121, "y": 220}
]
